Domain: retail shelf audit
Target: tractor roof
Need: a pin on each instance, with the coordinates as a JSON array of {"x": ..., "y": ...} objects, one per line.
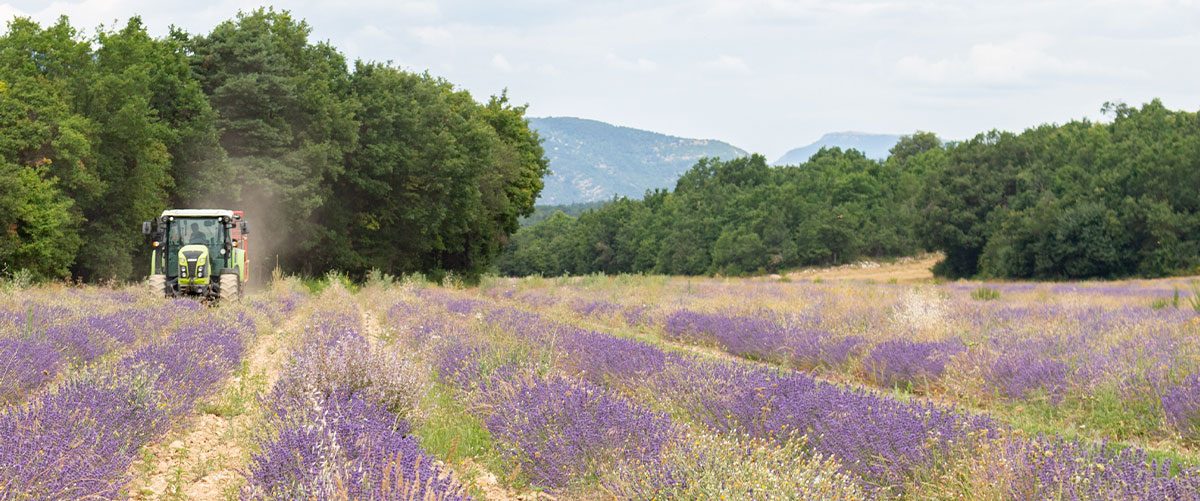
[{"x": 198, "y": 213}]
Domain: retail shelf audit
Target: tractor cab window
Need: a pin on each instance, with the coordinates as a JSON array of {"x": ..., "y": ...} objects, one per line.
[{"x": 194, "y": 231}]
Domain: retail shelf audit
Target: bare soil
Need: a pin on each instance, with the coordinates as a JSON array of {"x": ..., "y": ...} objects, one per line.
[
  {"x": 904, "y": 270},
  {"x": 490, "y": 486},
  {"x": 201, "y": 459}
]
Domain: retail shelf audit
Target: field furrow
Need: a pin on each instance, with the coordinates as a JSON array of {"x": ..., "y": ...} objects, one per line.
[{"x": 203, "y": 457}]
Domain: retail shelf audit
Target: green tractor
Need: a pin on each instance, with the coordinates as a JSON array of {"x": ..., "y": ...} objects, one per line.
[{"x": 199, "y": 253}]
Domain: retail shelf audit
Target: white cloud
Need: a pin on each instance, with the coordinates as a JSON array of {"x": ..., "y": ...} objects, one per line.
[
  {"x": 799, "y": 9},
  {"x": 7, "y": 12},
  {"x": 431, "y": 35},
  {"x": 1025, "y": 60},
  {"x": 501, "y": 63},
  {"x": 639, "y": 64},
  {"x": 727, "y": 64},
  {"x": 880, "y": 65}
]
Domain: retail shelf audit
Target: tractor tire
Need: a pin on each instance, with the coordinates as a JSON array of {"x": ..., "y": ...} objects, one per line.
[
  {"x": 157, "y": 285},
  {"x": 231, "y": 287}
]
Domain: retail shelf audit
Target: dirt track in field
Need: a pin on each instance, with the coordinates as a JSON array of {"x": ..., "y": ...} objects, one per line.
[
  {"x": 201, "y": 458},
  {"x": 904, "y": 270}
]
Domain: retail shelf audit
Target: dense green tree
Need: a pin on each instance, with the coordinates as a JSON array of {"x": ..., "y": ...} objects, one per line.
[
  {"x": 738, "y": 250},
  {"x": 1078, "y": 200},
  {"x": 286, "y": 119},
  {"x": 145, "y": 105},
  {"x": 734, "y": 217},
  {"x": 378, "y": 168},
  {"x": 541, "y": 249},
  {"x": 437, "y": 180},
  {"x": 47, "y": 159},
  {"x": 977, "y": 177},
  {"x": 39, "y": 228},
  {"x": 106, "y": 117},
  {"x": 104, "y": 132},
  {"x": 41, "y": 70}
]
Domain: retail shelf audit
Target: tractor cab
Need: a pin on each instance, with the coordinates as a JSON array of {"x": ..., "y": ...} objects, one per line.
[{"x": 198, "y": 252}]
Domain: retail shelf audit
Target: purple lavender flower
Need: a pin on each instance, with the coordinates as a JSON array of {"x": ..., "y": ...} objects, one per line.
[
  {"x": 811, "y": 349},
  {"x": 1050, "y": 467},
  {"x": 1181, "y": 405},
  {"x": 559, "y": 430},
  {"x": 886, "y": 443},
  {"x": 335, "y": 435},
  {"x": 904, "y": 363},
  {"x": 26, "y": 364},
  {"x": 752, "y": 337},
  {"x": 342, "y": 446},
  {"x": 595, "y": 356},
  {"x": 78, "y": 441},
  {"x": 459, "y": 364},
  {"x": 1019, "y": 374},
  {"x": 881, "y": 440}
]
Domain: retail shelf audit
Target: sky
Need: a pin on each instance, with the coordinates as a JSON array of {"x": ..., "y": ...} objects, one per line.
[{"x": 764, "y": 75}]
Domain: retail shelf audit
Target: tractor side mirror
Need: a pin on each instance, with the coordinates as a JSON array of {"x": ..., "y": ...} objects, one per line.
[
  {"x": 145, "y": 227},
  {"x": 245, "y": 228}
]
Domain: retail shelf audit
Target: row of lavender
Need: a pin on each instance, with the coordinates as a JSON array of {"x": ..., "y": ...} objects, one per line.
[
  {"x": 1064, "y": 352},
  {"x": 557, "y": 426},
  {"x": 47, "y": 333},
  {"x": 1162, "y": 387},
  {"x": 889, "y": 445},
  {"x": 560, "y": 431},
  {"x": 78, "y": 438},
  {"x": 338, "y": 420}
]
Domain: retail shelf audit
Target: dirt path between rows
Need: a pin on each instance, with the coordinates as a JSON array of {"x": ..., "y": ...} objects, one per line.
[
  {"x": 904, "y": 270},
  {"x": 372, "y": 330},
  {"x": 200, "y": 460}
]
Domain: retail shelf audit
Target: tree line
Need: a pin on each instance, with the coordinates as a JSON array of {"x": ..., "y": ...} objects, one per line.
[
  {"x": 1078, "y": 200},
  {"x": 353, "y": 169}
]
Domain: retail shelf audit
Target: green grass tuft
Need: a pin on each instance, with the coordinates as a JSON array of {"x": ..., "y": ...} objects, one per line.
[{"x": 985, "y": 294}]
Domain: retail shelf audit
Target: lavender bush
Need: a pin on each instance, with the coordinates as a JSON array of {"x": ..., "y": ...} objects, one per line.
[
  {"x": 713, "y": 466},
  {"x": 910, "y": 364},
  {"x": 559, "y": 430},
  {"x": 880, "y": 440},
  {"x": 1047, "y": 467},
  {"x": 28, "y": 364},
  {"x": 888, "y": 446},
  {"x": 341, "y": 446},
  {"x": 1181, "y": 405},
  {"x": 79, "y": 440},
  {"x": 339, "y": 418},
  {"x": 1020, "y": 374},
  {"x": 752, "y": 337}
]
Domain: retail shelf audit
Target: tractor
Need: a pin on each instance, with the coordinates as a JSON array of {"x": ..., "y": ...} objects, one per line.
[{"x": 198, "y": 253}]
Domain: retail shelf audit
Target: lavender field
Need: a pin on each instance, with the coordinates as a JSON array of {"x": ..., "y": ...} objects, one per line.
[{"x": 603, "y": 388}]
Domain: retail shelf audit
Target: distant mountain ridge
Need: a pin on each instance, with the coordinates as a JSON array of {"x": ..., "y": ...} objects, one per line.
[
  {"x": 592, "y": 160},
  {"x": 874, "y": 146}
]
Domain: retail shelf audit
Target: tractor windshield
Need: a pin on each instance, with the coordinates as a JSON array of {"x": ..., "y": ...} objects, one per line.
[
  {"x": 182, "y": 231},
  {"x": 195, "y": 231}
]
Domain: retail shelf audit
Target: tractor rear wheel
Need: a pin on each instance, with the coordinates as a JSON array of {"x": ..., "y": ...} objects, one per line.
[
  {"x": 231, "y": 287},
  {"x": 157, "y": 285}
]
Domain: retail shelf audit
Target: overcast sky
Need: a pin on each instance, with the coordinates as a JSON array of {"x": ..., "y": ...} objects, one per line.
[{"x": 765, "y": 75}]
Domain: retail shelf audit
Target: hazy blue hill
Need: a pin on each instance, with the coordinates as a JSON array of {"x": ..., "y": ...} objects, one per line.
[
  {"x": 592, "y": 161},
  {"x": 872, "y": 145}
]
